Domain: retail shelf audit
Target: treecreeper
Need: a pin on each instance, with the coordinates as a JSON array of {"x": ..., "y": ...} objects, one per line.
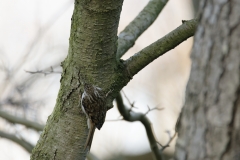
[{"x": 93, "y": 103}]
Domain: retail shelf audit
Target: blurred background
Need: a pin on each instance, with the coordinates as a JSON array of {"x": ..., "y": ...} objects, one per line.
[{"x": 34, "y": 37}]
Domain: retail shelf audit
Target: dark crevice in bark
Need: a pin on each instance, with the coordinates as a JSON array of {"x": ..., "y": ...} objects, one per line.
[{"x": 231, "y": 124}]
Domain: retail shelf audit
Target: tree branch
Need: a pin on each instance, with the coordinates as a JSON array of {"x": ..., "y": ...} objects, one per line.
[
  {"x": 45, "y": 71},
  {"x": 169, "y": 141},
  {"x": 134, "y": 116},
  {"x": 145, "y": 18},
  {"x": 25, "y": 122},
  {"x": 26, "y": 145},
  {"x": 141, "y": 59}
]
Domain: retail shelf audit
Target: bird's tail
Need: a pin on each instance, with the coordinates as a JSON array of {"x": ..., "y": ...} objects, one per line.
[{"x": 89, "y": 138}]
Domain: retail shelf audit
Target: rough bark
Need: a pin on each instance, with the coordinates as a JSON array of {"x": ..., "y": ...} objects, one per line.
[{"x": 210, "y": 121}]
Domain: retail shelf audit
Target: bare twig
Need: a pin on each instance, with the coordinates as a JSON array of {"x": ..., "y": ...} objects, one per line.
[
  {"x": 135, "y": 116},
  {"x": 145, "y": 18},
  {"x": 169, "y": 141},
  {"x": 40, "y": 34},
  {"x": 30, "y": 124},
  {"x": 151, "y": 109},
  {"x": 45, "y": 72},
  {"x": 26, "y": 145},
  {"x": 131, "y": 104},
  {"x": 141, "y": 59}
]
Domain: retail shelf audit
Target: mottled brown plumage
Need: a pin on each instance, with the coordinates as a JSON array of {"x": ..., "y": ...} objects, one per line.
[{"x": 93, "y": 105}]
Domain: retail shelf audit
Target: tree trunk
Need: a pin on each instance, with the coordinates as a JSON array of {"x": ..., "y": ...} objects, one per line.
[
  {"x": 210, "y": 121},
  {"x": 91, "y": 59}
]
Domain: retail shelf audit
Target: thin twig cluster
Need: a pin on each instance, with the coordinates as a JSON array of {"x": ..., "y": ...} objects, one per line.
[{"x": 131, "y": 116}]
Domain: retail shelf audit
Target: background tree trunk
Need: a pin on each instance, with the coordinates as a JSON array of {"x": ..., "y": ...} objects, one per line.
[{"x": 210, "y": 122}]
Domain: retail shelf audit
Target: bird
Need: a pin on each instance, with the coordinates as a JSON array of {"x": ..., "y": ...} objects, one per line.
[{"x": 93, "y": 105}]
